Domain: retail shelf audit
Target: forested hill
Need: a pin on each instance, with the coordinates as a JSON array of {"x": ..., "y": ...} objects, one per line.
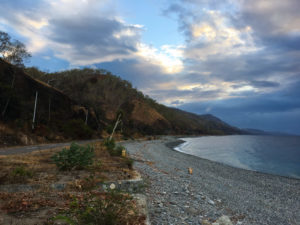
[
  {"x": 84, "y": 103},
  {"x": 106, "y": 94}
]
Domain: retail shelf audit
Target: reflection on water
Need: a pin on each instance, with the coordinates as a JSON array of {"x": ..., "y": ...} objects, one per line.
[{"x": 271, "y": 154}]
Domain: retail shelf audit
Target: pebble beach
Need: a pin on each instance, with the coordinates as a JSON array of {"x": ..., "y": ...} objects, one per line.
[{"x": 212, "y": 191}]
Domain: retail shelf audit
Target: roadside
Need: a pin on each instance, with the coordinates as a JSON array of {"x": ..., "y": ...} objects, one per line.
[
  {"x": 34, "y": 191},
  {"x": 30, "y": 148},
  {"x": 212, "y": 190}
]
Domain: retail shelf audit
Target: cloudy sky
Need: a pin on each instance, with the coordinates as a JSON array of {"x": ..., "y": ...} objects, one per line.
[{"x": 236, "y": 59}]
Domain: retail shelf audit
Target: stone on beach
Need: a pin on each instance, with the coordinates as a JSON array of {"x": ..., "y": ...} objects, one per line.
[{"x": 224, "y": 220}]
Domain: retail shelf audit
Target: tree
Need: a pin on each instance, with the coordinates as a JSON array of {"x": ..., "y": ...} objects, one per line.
[{"x": 12, "y": 51}]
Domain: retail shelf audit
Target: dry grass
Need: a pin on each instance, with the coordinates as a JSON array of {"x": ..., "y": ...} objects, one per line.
[
  {"x": 44, "y": 171},
  {"x": 39, "y": 206}
]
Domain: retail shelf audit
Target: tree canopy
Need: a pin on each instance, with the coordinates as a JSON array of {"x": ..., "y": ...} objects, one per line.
[{"x": 12, "y": 51}]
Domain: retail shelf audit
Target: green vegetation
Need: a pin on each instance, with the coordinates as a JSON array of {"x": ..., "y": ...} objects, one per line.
[
  {"x": 112, "y": 148},
  {"x": 112, "y": 208},
  {"x": 20, "y": 174},
  {"x": 77, "y": 129},
  {"x": 129, "y": 162},
  {"x": 12, "y": 51},
  {"x": 77, "y": 157},
  {"x": 109, "y": 144}
]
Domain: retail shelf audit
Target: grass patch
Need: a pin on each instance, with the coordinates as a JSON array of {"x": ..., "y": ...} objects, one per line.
[
  {"x": 111, "y": 208},
  {"x": 20, "y": 174}
]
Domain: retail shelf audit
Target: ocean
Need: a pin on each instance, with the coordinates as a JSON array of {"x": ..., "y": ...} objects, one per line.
[{"x": 278, "y": 155}]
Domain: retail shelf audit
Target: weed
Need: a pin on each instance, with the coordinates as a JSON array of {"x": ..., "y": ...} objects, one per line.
[
  {"x": 129, "y": 162},
  {"x": 77, "y": 157},
  {"x": 86, "y": 184},
  {"x": 98, "y": 165},
  {"x": 20, "y": 174},
  {"x": 112, "y": 208}
]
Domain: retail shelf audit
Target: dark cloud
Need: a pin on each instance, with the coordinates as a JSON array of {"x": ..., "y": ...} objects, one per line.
[
  {"x": 272, "y": 67},
  {"x": 92, "y": 38},
  {"x": 263, "y": 83},
  {"x": 279, "y": 111}
]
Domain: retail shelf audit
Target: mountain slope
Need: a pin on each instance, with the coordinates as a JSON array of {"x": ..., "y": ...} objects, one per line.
[
  {"x": 17, "y": 99},
  {"x": 84, "y": 103},
  {"x": 107, "y": 94}
]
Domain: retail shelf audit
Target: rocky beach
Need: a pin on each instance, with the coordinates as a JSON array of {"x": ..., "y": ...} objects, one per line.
[{"x": 214, "y": 193}]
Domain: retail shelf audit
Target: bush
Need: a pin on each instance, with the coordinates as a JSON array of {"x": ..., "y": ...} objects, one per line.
[
  {"x": 118, "y": 150},
  {"x": 108, "y": 209},
  {"x": 77, "y": 157},
  {"x": 77, "y": 129},
  {"x": 129, "y": 162},
  {"x": 109, "y": 144},
  {"x": 112, "y": 149}
]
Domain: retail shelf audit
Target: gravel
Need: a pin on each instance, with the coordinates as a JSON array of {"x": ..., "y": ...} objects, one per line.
[{"x": 212, "y": 190}]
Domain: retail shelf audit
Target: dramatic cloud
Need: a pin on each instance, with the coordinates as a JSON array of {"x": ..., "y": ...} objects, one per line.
[
  {"x": 85, "y": 33},
  {"x": 236, "y": 59}
]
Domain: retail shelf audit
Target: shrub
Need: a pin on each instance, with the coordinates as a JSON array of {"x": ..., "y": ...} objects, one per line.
[
  {"x": 112, "y": 149},
  {"x": 129, "y": 162},
  {"x": 77, "y": 157},
  {"x": 107, "y": 209},
  {"x": 109, "y": 144},
  {"x": 118, "y": 150},
  {"x": 77, "y": 129}
]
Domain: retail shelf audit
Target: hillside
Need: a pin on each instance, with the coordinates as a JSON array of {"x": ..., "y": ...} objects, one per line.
[
  {"x": 107, "y": 94},
  {"x": 55, "y": 111},
  {"x": 84, "y": 103}
]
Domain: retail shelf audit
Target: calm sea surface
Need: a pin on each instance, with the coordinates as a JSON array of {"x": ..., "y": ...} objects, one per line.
[{"x": 270, "y": 154}]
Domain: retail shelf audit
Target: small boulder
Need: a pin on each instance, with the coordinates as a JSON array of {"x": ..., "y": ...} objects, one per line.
[{"x": 224, "y": 220}]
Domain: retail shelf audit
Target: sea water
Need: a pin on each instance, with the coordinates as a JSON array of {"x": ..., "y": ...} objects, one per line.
[{"x": 269, "y": 154}]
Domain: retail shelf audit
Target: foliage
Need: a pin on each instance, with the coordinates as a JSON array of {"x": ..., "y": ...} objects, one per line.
[
  {"x": 20, "y": 174},
  {"x": 110, "y": 144},
  {"x": 108, "y": 209},
  {"x": 77, "y": 157},
  {"x": 35, "y": 72},
  {"x": 13, "y": 51},
  {"x": 8, "y": 94},
  {"x": 112, "y": 148},
  {"x": 109, "y": 129},
  {"x": 129, "y": 162},
  {"x": 76, "y": 128}
]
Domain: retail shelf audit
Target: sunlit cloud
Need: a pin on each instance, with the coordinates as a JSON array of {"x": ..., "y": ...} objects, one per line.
[
  {"x": 168, "y": 57},
  {"x": 228, "y": 51}
]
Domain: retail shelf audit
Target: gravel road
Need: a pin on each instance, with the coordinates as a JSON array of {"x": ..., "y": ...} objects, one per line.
[
  {"x": 213, "y": 190},
  {"x": 31, "y": 148}
]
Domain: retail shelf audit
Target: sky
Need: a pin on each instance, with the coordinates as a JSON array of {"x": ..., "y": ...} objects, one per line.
[{"x": 238, "y": 60}]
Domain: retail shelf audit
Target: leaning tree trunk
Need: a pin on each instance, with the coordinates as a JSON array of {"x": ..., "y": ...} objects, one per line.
[
  {"x": 116, "y": 124},
  {"x": 34, "y": 111}
]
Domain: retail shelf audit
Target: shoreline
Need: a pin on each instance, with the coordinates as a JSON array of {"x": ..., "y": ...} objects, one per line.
[
  {"x": 214, "y": 189},
  {"x": 171, "y": 145}
]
